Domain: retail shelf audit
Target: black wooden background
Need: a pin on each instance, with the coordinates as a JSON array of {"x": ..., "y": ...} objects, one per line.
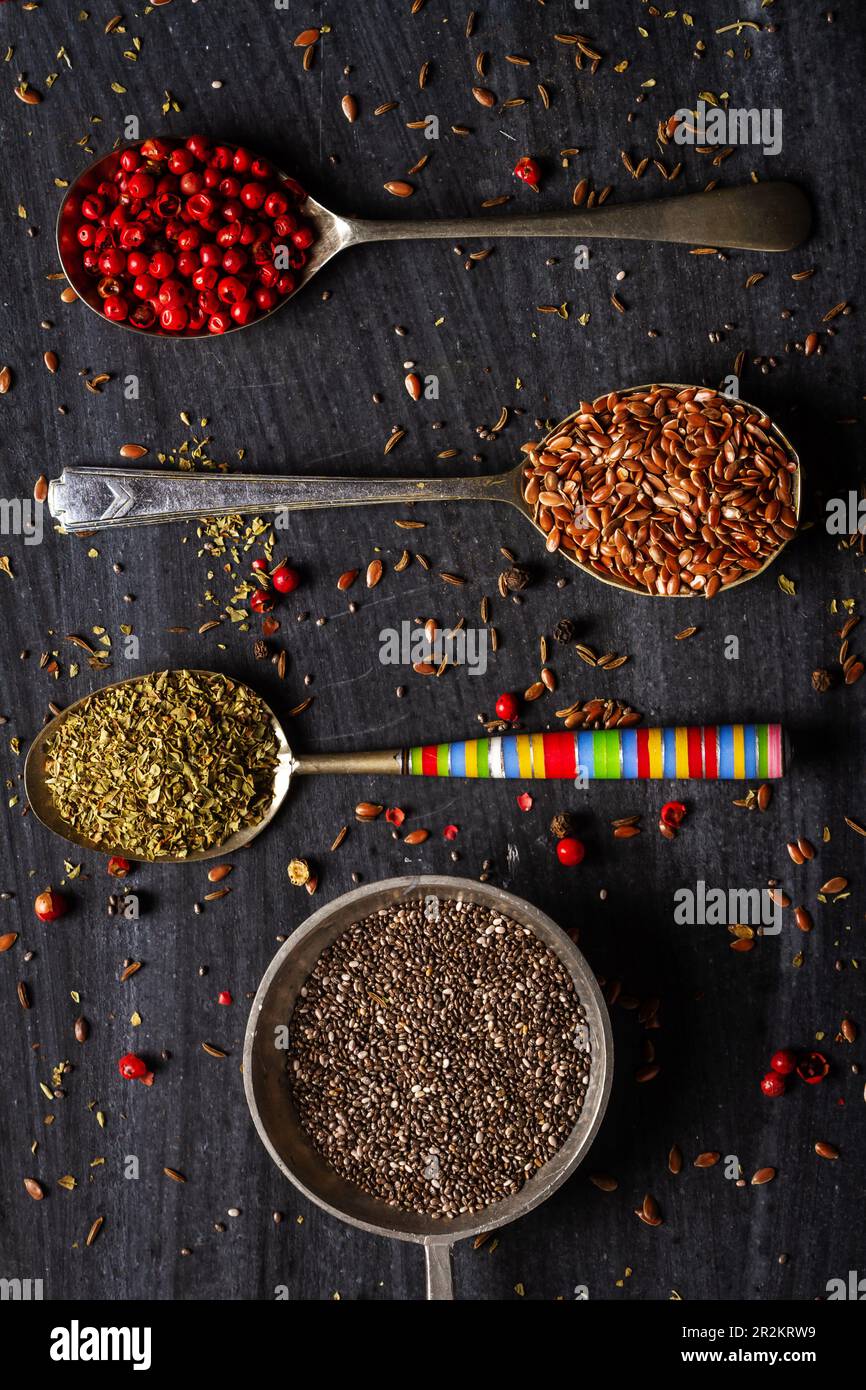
[{"x": 296, "y": 394}]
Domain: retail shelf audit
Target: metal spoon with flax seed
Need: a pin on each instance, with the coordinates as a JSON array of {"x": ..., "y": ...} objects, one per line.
[
  {"x": 668, "y": 490},
  {"x": 770, "y": 216}
]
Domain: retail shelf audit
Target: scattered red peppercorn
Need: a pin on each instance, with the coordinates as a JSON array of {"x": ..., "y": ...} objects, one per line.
[
  {"x": 285, "y": 579},
  {"x": 132, "y": 1067},
  {"x": 49, "y": 905},
  {"x": 525, "y": 801},
  {"x": 395, "y": 815},
  {"x": 450, "y": 832},
  {"x": 117, "y": 867},
  {"x": 224, "y": 997},
  {"x": 784, "y": 1061},
  {"x": 261, "y": 601},
  {"x": 672, "y": 814},
  {"x": 812, "y": 1068},
  {"x": 184, "y": 206},
  {"x": 506, "y": 707},
  {"x": 773, "y": 1084},
  {"x": 569, "y": 850},
  {"x": 528, "y": 171}
]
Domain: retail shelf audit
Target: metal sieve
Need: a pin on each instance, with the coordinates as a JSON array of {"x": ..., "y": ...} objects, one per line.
[{"x": 269, "y": 1097}]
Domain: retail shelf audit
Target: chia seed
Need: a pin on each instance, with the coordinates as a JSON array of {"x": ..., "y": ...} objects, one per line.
[{"x": 438, "y": 1064}]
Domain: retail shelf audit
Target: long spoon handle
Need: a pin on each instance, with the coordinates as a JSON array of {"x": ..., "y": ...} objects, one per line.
[
  {"x": 708, "y": 752},
  {"x": 772, "y": 216},
  {"x": 90, "y": 499}
]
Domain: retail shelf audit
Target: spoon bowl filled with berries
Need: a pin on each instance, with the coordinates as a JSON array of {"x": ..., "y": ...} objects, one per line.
[{"x": 190, "y": 238}]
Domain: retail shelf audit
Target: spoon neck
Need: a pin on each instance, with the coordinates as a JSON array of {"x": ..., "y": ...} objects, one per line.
[{"x": 371, "y": 764}]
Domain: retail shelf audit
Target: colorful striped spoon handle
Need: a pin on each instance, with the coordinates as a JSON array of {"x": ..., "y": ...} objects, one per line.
[{"x": 713, "y": 752}]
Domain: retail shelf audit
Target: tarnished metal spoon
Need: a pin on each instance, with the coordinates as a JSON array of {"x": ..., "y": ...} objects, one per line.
[
  {"x": 772, "y": 216},
  {"x": 90, "y": 499}
]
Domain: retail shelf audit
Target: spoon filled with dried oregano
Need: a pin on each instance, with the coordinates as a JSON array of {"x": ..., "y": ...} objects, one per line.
[
  {"x": 178, "y": 766},
  {"x": 173, "y": 766},
  {"x": 668, "y": 490}
]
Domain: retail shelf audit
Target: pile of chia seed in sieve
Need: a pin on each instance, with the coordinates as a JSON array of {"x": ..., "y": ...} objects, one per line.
[{"x": 438, "y": 1064}]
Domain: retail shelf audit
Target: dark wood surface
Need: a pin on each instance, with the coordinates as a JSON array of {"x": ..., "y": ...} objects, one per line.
[{"x": 296, "y": 395}]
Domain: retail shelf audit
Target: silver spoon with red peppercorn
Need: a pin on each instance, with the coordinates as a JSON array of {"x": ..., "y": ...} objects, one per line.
[{"x": 189, "y": 238}]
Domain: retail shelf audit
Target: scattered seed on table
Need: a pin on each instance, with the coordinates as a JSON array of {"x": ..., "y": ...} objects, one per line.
[
  {"x": 94, "y": 1231},
  {"x": 763, "y": 1175},
  {"x": 803, "y": 918},
  {"x": 648, "y": 1212},
  {"x": 393, "y": 440},
  {"x": 834, "y": 885},
  {"x": 604, "y": 1182}
]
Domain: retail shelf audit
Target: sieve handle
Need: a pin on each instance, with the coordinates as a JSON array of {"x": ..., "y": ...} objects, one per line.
[
  {"x": 440, "y": 1284},
  {"x": 713, "y": 752}
]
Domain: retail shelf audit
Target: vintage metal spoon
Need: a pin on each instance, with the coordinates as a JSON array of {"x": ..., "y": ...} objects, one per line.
[
  {"x": 771, "y": 216},
  {"x": 699, "y": 752},
  {"x": 89, "y": 499}
]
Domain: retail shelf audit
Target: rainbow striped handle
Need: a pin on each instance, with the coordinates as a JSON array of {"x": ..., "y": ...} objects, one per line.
[{"x": 713, "y": 752}]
